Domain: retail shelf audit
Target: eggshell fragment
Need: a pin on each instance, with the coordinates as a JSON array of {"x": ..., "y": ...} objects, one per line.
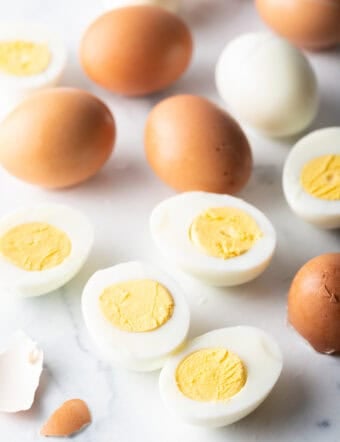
[
  {"x": 71, "y": 417},
  {"x": 314, "y": 303},
  {"x": 57, "y": 138},
  {"x": 20, "y": 368}
]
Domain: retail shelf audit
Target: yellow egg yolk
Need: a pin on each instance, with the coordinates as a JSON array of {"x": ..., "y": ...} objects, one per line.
[
  {"x": 224, "y": 232},
  {"x": 320, "y": 177},
  {"x": 137, "y": 306},
  {"x": 35, "y": 246},
  {"x": 211, "y": 375},
  {"x": 22, "y": 58}
]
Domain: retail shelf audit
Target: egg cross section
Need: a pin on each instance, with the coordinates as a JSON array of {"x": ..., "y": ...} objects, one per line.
[
  {"x": 22, "y": 58},
  {"x": 137, "y": 306},
  {"x": 211, "y": 374},
  {"x": 224, "y": 232}
]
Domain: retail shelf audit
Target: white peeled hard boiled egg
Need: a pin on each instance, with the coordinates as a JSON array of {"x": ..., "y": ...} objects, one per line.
[
  {"x": 136, "y": 314},
  {"x": 31, "y": 58},
  {"x": 268, "y": 84},
  {"x": 221, "y": 376},
  {"x": 170, "y": 5},
  {"x": 21, "y": 364},
  {"x": 42, "y": 247},
  {"x": 311, "y": 178},
  {"x": 219, "y": 239}
]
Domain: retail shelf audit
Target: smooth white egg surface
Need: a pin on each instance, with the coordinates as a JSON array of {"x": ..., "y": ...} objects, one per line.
[
  {"x": 170, "y": 5},
  {"x": 21, "y": 364},
  {"x": 32, "y": 57},
  {"x": 268, "y": 84},
  {"x": 136, "y": 315},
  {"x": 42, "y": 248},
  {"x": 221, "y": 249},
  {"x": 311, "y": 178},
  {"x": 238, "y": 368}
]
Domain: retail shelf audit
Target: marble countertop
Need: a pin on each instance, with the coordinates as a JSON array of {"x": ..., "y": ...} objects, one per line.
[{"x": 126, "y": 407}]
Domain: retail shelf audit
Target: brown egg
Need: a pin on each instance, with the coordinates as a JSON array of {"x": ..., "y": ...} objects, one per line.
[
  {"x": 136, "y": 50},
  {"x": 192, "y": 144},
  {"x": 71, "y": 417},
  {"x": 313, "y": 24},
  {"x": 314, "y": 302},
  {"x": 57, "y": 138}
]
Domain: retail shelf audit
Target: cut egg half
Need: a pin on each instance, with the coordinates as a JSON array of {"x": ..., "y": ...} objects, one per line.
[
  {"x": 136, "y": 315},
  {"x": 32, "y": 57},
  {"x": 21, "y": 364},
  {"x": 42, "y": 248},
  {"x": 221, "y": 376},
  {"x": 219, "y": 239},
  {"x": 311, "y": 178}
]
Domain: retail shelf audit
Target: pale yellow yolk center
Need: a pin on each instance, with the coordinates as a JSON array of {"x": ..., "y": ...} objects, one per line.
[
  {"x": 224, "y": 232},
  {"x": 320, "y": 177},
  {"x": 211, "y": 375},
  {"x": 23, "y": 57},
  {"x": 137, "y": 306},
  {"x": 35, "y": 246}
]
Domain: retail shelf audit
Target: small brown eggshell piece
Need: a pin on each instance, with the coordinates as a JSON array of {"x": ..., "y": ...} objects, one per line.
[
  {"x": 69, "y": 418},
  {"x": 136, "y": 50},
  {"x": 314, "y": 302},
  {"x": 57, "y": 138},
  {"x": 192, "y": 144},
  {"x": 313, "y": 24}
]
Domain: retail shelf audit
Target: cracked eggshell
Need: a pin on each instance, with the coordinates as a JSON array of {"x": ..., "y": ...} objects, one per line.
[
  {"x": 21, "y": 364},
  {"x": 314, "y": 303}
]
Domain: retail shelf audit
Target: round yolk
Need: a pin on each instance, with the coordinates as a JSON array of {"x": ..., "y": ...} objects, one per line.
[
  {"x": 137, "y": 306},
  {"x": 211, "y": 375},
  {"x": 320, "y": 177},
  {"x": 23, "y": 57},
  {"x": 35, "y": 246},
  {"x": 224, "y": 232}
]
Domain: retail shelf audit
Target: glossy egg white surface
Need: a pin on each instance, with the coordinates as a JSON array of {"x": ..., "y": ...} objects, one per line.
[
  {"x": 14, "y": 88},
  {"x": 323, "y": 213},
  {"x": 268, "y": 84},
  {"x": 170, "y": 223},
  {"x": 144, "y": 351},
  {"x": 34, "y": 283},
  {"x": 262, "y": 358}
]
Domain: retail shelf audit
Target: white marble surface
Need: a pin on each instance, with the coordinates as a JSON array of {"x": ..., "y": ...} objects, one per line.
[{"x": 126, "y": 407}]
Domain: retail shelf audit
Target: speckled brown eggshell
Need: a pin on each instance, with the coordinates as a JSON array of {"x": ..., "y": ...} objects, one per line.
[
  {"x": 57, "y": 138},
  {"x": 312, "y": 24},
  {"x": 136, "y": 50},
  {"x": 192, "y": 144},
  {"x": 314, "y": 302}
]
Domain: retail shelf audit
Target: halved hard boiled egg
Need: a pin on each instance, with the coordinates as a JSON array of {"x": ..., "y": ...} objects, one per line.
[
  {"x": 31, "y": 57},
  {"x": 42, "y": 247},
  {"x": 136, "y": 314},
  {"x": 221, "y": 376},
  {"x": 219, "y": 239},
  {"x": 311, "y": 178}
]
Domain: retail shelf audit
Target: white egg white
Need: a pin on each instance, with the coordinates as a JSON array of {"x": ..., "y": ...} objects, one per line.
[
  {"x": 267, "y": 83},
  {"x": 14, "y": 88},
  {"x": 170, "y": 223},
  {"x": 34, "y": 283},
  {"x": 170, "y": 5},
  {"x": 262, "y": 358},
  {"x": 322, "y": 213},
  {"x": 21, "y": 364},
  {"x": 143, "y": 351}
]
